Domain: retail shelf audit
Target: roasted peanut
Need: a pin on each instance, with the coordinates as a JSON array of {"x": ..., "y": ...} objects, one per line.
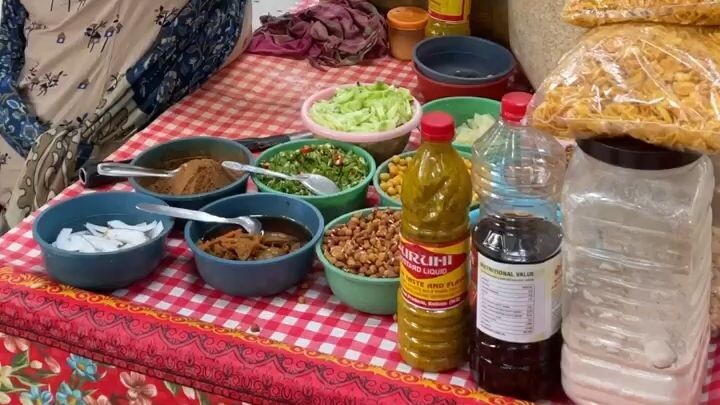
[{"x": 371, "y": 249}]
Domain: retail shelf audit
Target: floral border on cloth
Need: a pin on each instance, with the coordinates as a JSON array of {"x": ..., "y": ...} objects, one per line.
[
  {"x": 35, "y": 374},
  {"x": 209, "y": 358}
]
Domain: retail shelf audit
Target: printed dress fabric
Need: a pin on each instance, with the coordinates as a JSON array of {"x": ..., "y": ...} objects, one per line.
[
  {"x": 35, "y": 374},
  {"x": 79, "y": 77}
]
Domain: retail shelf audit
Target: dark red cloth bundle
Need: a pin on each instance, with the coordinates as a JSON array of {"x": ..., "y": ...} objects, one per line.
[{"x": 332, "y": 33}]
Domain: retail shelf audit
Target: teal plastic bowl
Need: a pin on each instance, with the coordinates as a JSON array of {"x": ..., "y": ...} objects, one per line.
[
  {"x": 331, "y": 206},
  {"x": 259, "y": 278},
  {"x": 182, "y": 149},
  {"x": 385, "y": 199},
  {"x": 376, "y": 296},
  {"x": 462, "y": 109},
  {"x": 104, "y": 271}
]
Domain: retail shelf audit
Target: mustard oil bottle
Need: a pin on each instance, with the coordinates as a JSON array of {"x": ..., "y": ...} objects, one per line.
[{"x": 434, "y": 231}]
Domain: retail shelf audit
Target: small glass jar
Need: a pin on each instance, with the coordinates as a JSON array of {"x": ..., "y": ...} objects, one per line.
[{"x": 407, "y": 28}]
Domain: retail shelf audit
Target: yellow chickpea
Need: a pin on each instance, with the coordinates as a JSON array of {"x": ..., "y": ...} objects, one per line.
[
  {"x": 393, "y": 170},
  {"x": 391, "y": 190},
  {"x": 396, "y": 159},
  {"x": 384, "y": 176}
]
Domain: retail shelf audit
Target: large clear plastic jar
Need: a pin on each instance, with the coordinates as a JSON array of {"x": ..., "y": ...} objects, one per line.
[{"x": 636, "y": 259}]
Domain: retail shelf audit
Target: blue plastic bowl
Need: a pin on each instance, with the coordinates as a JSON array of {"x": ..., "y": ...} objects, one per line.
[
  {"x": 99, "y": 271},
  {"x": 262, "y": 277},
  {"x": 462, "y": 60},
  {"x": 182, "y": 149}
]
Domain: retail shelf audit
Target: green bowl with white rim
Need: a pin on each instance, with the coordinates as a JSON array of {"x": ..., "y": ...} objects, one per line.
[
  {"x": 385, "y": 199},
  {"x": 377, "y": 296},
  {"x": 330, "y": 206},
  {"x": 462, "y": 109}
]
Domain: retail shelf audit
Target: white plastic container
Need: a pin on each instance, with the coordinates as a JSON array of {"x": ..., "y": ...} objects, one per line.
[{"x": 636, "y": 257}]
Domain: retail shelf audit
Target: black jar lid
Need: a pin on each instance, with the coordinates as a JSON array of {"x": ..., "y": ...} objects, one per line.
[{"x": 631, "y": 153}]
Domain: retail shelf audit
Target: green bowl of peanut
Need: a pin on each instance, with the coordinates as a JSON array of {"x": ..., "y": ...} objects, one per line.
[
  {"x": 389, "y": 176},
  {"x": 361, "y": 257}
]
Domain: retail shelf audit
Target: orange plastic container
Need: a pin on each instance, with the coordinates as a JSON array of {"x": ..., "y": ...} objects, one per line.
[{"x": 407, "y": 28}]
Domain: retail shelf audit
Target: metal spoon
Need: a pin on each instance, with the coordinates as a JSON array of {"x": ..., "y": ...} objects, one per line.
[
  {"x": 249, "y": 224},
  {"x": 128, "y": 170},
  {"x": 316, "y": 183}
]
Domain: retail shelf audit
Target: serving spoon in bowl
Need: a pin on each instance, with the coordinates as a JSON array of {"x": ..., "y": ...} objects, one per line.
[
  {"x": 249, "y": 224},
  {"x": 129, "y": 170},
  {"x": 316, "y": 183}
]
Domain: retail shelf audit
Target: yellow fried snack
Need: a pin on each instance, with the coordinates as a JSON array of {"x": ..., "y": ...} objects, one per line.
[
  {"x": 591, "y": 13},
  {"x": 656, "y": 83}
]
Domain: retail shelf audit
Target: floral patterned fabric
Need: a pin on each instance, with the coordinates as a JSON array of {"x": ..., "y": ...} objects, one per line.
[
  {"x": 193, "y": 43},
  {"x": 35, "y": 374},
  {"x": 19, "y": 127}
]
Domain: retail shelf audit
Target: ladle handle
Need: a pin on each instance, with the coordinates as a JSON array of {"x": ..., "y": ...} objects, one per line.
[
  {"x": 239, "y": 167},
  {"x": 90, "y": 178},
  {"x": 182, "y": 213},
  {"x": 127, "y": 170}
]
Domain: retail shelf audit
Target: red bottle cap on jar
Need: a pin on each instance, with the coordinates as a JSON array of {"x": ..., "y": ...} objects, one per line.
[
  {"x": 514, "y": 106},
  {"x": 437, "y": 127}
]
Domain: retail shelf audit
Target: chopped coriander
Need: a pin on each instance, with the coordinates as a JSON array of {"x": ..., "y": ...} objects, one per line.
[{"x": 345, "y": 168}]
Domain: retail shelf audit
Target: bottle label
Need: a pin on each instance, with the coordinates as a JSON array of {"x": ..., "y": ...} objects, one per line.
[
  {"x": 434, "y": 277},
  {"x": 449, "y": 10},
  {"x": 519, "y": 303}
]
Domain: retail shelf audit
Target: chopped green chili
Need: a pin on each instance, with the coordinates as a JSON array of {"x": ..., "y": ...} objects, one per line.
[{"x": 345, "y": 168}]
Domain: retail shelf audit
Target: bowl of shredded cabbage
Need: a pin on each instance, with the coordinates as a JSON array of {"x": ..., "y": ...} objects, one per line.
[
  {"x": 473, "y": 117},
  {"x": 378, "y": 117}
]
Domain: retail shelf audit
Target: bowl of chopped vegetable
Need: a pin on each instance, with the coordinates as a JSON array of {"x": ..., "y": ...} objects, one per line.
[
  {"x": 100, "y": 241},
  {"x": 389, "y": 175},
  {"x": 473, "y": 116},
  {"x": 256, "y": 265},
  {"x": 349, "y": 166},
  {"x": 362, "y": 268},
  {"x": 379, "y": 117}
]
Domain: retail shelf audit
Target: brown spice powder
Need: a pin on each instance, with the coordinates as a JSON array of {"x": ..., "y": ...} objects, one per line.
[{"x": 196, "y": 176}]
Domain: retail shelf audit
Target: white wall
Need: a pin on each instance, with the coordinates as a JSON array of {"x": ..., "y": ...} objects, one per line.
[{"x": 265, "y": 7}]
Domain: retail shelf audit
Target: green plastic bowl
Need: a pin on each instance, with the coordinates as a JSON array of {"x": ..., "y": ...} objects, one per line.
[
  {"x": 331, "y": 206},
  {"x": 385, "y": 199},
  {"x": 462, "y": 109},
  {"x": 376, "y": 296}
]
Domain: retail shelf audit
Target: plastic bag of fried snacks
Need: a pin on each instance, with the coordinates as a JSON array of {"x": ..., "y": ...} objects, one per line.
[
  {"x": 591, "y": 13},
  {"x": 657, "y": 83}
]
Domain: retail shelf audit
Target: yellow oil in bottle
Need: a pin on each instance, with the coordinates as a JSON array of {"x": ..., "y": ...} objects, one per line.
[
  {"x": 432, "y": 299},
  {"x": 448, "y": 17}
]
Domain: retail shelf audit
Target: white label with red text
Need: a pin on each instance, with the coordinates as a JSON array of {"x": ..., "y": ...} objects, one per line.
[{"x": 519, "y": 303}]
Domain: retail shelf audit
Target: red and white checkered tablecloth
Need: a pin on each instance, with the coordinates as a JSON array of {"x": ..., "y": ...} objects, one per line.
[{"x": 258, "y": 96}]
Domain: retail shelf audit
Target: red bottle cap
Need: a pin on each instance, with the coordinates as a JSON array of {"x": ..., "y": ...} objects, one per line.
[
  {"x": 514, "y": 106},
  {"x": 437, "y": 127}
]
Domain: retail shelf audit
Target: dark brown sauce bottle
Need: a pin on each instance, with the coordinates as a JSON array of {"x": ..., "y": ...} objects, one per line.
[{"x": 528, "y": 370}]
